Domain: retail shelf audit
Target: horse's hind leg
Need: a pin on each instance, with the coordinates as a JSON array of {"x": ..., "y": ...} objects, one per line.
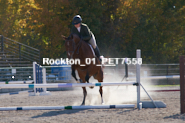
[
  {"x": 100, "y": 79},
  {"x": 85, "y": 94},
  {"x": 101, "y": 93}
]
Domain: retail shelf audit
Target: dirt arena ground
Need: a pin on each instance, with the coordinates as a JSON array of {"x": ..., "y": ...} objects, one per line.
[{"x": 115, "y": 95}]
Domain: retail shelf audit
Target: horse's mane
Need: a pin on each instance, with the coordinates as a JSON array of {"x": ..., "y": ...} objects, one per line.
[{"x": 75, "y": 36}]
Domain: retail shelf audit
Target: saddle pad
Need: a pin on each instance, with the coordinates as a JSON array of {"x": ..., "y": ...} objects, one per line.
[{"x": 92, "y": 50}]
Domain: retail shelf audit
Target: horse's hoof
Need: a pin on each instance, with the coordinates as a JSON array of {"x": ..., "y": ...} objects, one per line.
[
  {"x": 78, "y": 81},
  {"x": 91, "y": 87},
  {"x": 82, "y": 104},
  {"x": 102, "y": 102}
]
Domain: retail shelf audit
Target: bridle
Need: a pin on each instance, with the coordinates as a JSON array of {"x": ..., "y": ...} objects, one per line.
[
  {"x": 74, "y": 47},
  {"x": 69, "y": 51}
]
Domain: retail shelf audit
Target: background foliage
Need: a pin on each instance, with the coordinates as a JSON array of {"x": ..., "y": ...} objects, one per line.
[{"x": 121, "y": 26}]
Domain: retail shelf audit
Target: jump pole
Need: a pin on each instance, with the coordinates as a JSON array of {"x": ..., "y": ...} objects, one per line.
[
  {"x": 62, "y": 85},
  {"x": 161, "y": 77},
  {"x": 17, "y": 82},
  {"x": 158, "y": 77},
  {"x": 14, "y": 93},
  {"x": 66, "y": 107}
]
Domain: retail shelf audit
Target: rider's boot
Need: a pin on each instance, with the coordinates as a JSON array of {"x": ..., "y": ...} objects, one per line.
[{"x": 97, "y": 53}]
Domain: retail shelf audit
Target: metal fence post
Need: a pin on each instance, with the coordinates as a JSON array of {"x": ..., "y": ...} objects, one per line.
[
  {"x": 2, "y": 45},
  {"x": 19, "y": 52}
]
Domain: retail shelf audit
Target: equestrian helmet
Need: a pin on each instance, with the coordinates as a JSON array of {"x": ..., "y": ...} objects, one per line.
[{"x": 76, "y": 19}]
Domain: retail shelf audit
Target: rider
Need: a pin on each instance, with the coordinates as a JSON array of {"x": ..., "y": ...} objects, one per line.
[{"x": 83, "y": 31}]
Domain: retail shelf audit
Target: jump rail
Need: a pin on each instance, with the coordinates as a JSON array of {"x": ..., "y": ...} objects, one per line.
[
  {"x": 17, "y": 82},
  {"x": 161, "y": 77},
  {"x": 66, "y": 107},
  {"x": 158, "y": 77},
  {"x": 19, "y": 92},
  {"x": 62, "y": 85}
]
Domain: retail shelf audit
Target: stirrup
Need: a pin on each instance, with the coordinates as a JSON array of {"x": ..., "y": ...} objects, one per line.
[{"x": 100, "y": 60}]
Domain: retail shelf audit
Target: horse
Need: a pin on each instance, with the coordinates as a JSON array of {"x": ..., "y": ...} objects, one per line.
[{"x": 76, "y": 48}]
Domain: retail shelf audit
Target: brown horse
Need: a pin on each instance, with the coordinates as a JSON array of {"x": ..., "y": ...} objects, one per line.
[{"x": 79, "y": 49}]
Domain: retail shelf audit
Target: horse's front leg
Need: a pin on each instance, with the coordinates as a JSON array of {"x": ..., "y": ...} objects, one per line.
[
  {"x": 101, "y": 93},
  {"x": 74, "y": 74},
  {"x": 85, "y": 94}
]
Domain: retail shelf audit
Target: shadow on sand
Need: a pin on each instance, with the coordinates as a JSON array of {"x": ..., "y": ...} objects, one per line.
[
  {"x": 176, "y": 116},
  {"x": 60, "y": 112},
  {"x": 57, "y": 112}
]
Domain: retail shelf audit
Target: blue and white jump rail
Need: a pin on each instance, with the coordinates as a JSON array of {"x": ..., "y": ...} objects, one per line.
[
  {"x": 62, "y": 85},
  {"x": 19, "y": 92},
  {"x": 67, "y": 107},
  {"x": 17, "y": 82},
  {"x": 160, "y": 77}
]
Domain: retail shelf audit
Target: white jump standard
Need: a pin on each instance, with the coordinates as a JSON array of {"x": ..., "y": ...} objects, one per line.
[{"x": 39, "y": 77}]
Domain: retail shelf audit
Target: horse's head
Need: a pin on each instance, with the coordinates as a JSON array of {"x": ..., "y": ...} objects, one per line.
[{"x": 69, "y": 45}]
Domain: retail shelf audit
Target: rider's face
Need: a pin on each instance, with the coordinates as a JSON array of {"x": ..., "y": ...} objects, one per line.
[{"x": 77, "y": 25}]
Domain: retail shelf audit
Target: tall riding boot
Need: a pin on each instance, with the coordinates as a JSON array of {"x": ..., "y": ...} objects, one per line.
[{"x": 97, "y": 52}]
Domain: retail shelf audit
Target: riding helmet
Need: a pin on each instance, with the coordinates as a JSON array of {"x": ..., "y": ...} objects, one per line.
[{"x": 76, "y": 19}]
